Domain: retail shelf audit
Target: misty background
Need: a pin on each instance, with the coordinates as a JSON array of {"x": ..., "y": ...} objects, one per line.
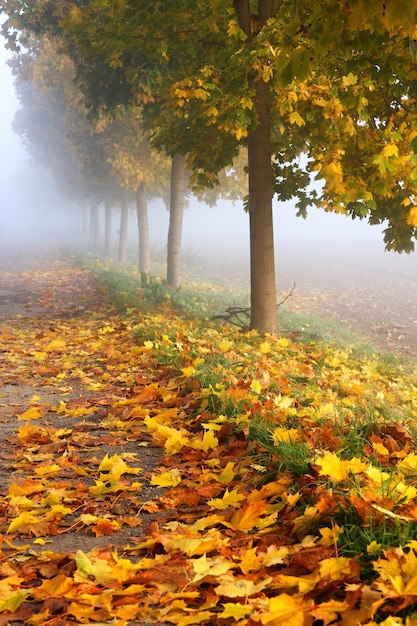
[{"x": 324, "y": 252}]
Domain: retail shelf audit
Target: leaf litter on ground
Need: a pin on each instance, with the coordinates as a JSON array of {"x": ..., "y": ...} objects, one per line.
[{"x": 163, "y": 469}]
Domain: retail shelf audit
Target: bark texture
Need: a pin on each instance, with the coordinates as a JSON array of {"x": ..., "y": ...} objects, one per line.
[
  {"x": 176, "y": 212},
  {"x": 108, "y": 243},
  {"x": 262, "y": 255},
  {"x": 124, "y": 217},
  {"x": 143, "y": 228}
]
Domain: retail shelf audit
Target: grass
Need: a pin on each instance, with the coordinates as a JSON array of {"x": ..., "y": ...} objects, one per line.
[{"x": 316, "y": 389}]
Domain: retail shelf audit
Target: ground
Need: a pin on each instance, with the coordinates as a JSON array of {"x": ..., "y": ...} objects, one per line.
[
  {"x": 44, "y": 297},
  {"x": 378, "y": 304}
]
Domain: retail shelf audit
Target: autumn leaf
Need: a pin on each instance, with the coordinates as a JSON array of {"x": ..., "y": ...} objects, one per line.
[
  {"x": 34, "y": 413},
  {"x": 284, "y": 610},
  {"x": 295, "y": 118},
  {"x": 116, "y": 467},
  {"x": 248, "y": 517},
  {"x": 166, "y": 479},
  {"x": 349, "y": 80},
  {"x": 231, "y": 587},
  {"x": 235, "y": 610},
  {"x": 230, "y": 498},
  {"x": 214, "y": 566},
  {"x": 338, "y": 469}
]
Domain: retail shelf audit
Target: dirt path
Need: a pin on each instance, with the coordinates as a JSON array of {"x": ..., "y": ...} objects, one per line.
[{"x": 50, "y": 316}]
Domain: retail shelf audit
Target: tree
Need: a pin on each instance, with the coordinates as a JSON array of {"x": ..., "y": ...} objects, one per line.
[
  {"x": 137, "y": 167},
  {"x": 322, "y": 89},
  {"x": 54, "y": 126}
]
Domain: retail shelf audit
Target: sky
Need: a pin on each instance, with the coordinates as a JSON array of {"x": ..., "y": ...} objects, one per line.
[{"x": 28, "y": 195}]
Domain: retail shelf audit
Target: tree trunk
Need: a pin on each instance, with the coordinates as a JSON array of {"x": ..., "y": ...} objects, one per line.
[
  {"x": 94, "y": 225},
  {"x": 108, "y": 244},
  {"x": 262, "y": 257},
  {"x": 124, "y": 216},
  {"x": 143, "y": 227},
  {"x": 176, "y": 212}
]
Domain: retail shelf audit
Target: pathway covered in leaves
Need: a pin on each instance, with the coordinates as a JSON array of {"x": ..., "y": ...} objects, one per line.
[{"x": 182, "y": 478}]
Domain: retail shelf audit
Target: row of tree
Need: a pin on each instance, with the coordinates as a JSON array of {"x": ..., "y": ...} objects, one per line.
[{"x": 318, "y": 91}]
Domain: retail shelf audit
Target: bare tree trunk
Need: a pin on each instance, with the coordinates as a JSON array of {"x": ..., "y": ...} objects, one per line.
[
  {"x": 262, "y": 257},
  {"x": 108, "y": 244},
  {"x": 143, "y": 227},
  {"x": 94, "y": 225},
  {"x": 124, "y": 216},
  {"x": 176, "y": 212}
]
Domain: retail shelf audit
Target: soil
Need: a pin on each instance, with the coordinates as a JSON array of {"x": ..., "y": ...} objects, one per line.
[{"x": 379, "y": 305}]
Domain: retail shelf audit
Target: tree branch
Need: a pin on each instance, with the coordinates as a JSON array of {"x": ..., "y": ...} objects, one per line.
[
  {"x": 243, "y": 16},
  {"x": 266, "y": 9},
  {"x": 240, "y": 316}
]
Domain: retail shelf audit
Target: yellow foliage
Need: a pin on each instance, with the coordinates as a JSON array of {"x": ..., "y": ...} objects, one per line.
[{"x": 295, "y": 118}]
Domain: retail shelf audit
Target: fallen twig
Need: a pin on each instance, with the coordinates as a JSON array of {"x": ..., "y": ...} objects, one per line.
[{"x": 234, "y": 314}]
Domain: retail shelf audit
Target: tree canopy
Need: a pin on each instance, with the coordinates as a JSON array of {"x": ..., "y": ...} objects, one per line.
[{"x": 320, "y": 91}]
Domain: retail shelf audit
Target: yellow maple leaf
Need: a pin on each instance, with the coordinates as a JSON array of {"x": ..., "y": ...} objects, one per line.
[
  {"x": 412, "y": 216},
  {"x": 227, "y": 474},
  {"x": 13, "y": 599},
  {"x": 55, "y": 346},
  {"x": 265, "y": 347},
  {"x": 247, "y": 517},
  {"x": 408, "y": 463},
  {"x": 256, "y": 386},
  {"x": 231, "y": 587},
  {"x": 332, "y": 466},
  {"x": 337, "y": 469},
  {"x": 34, "y": 413},
  {"x": 24, "y": 519},
  {"x": 251, "y": 561},
  {"x": 116, "y": 467},
  {"x": 188, "y": 371},
  {"x": 92, "y": 569},
  {"x": 391, "y": 149},
  {"x": 235, "y": 610},
  {"x": 329, "y": 535},
  {"x": 47, "y": 470},
  {"x": 209, "y": 442},
  {"x": 373, "y": 547},
  {"x": 284, "y": 610},
  {"x": 193, "y": 546},
  {"x": 288, "y": 435},
  {"x": 335, "y": 568},
  {"x": 42, "y": 542},
  {"x": 349, "y": 79},
  {"x": 295, "y": 118},
  {"x": 305, "y": 584},
  {"x": 213, "y": 566},
  {"x": 230, "y": 498},
  {"x": 240, "y": 132},
  {"x": 225, "y": 345},
  {"x": 166, "y": 479},
  {"x": 380, "y": 448},
  {"x": 174, "y": 439}
]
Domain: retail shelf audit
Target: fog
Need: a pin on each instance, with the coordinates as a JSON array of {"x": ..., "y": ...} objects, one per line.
[{"x": 323, "y": 250}]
